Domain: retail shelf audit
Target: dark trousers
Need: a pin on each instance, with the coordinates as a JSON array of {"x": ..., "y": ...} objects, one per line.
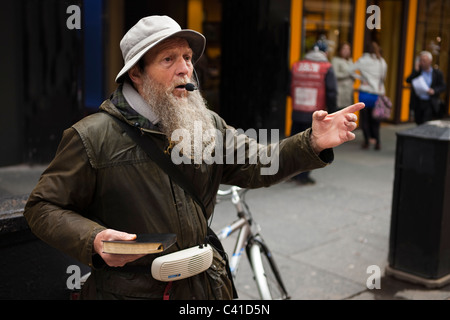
[
  {"x": 370, "y": 126},
  {"x": 298, "y": 127},
  {"x": 423, "y": 111}
]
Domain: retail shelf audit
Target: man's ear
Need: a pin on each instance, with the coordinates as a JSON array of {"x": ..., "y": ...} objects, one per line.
[{"x": 135, "y": 75}]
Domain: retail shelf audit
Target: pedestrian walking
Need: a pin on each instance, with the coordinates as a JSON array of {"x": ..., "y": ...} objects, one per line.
[
  {"x": 373, "y": 69},
  {"x": 342, "y": 64}
]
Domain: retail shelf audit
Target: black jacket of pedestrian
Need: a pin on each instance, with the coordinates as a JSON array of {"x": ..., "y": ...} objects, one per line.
[{"x": 437, "y": 84}]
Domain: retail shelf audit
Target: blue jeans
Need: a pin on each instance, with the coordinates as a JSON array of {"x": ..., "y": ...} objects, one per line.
[
  {"x": 370, "y": 126},
  {"x": 369, "y": 99}
]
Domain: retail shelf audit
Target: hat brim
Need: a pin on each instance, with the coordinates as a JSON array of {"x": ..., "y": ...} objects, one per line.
[{"x": 196, "y": 41}]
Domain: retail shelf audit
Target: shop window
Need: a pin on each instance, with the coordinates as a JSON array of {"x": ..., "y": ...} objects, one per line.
[
  {"x": 331, "y": 20},
  {"x": 389, "y": 38},
  {"x": 433, "y": 35}
]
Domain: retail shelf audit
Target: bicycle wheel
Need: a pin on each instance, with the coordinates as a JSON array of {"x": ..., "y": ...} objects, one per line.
[{"x": 267, "y": 277}]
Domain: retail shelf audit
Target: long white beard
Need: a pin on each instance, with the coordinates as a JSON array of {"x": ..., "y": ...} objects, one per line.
[{"x": 182, "y": 114}]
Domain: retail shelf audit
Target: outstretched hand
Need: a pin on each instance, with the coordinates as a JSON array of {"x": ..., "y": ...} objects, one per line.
[{"x": 331, "y": 130}]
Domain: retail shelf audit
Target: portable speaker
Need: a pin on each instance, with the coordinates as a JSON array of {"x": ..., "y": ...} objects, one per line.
[{"x": 182, "y": 264}]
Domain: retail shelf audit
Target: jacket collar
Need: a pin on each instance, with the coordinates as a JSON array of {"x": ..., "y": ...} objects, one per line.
[
  {"x": 138, "y": 103},
  {"x": 124, "y": 110},
  {"x": 317, "y": 56}
]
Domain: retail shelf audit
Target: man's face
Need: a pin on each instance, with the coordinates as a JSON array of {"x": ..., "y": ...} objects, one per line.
[
  {"x": 345, "y": 51},
  {"x": 424, "y": 62},
  {"x": 168, "y": 67},
  {"x": 170, "y": 64}
]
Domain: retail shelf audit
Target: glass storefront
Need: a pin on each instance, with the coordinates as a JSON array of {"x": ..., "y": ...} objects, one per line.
[
  {"x": 390, "y": 39},
  {"x": 433, "y": 35},
  {"x": 328, "y": 19},
  {"x": 335, "y": 21}
]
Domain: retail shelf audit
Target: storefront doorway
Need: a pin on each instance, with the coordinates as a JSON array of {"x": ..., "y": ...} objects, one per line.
[
  {"x": 390, "y": 38},
  {"x": 406, "y": 28},
  {"x": 433, "y": 35}
]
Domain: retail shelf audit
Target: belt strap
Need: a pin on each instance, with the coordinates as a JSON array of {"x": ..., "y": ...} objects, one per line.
[
  {"x": 166, "y": 291},
  {"x": 166, "y": 164}
]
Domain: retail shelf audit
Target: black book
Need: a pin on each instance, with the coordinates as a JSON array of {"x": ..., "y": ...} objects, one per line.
[{"x": 144, "y": 244}]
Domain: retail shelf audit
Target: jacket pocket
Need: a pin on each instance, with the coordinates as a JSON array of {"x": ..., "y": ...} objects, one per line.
[
  {"x": 127, "y": 285},
  {"x": 220, "y": 284}
]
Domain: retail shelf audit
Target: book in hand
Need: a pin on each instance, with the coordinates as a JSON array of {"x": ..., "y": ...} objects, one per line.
[{"x": 144, "y": 244}]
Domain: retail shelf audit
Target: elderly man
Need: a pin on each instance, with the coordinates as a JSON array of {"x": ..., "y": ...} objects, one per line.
[
  {"x": 426, "y": 103},
  {"x": 102, "y": 186}
]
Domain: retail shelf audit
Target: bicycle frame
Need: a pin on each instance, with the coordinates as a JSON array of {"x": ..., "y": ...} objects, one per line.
[
  {"x": 243, "y": 225},
  {"x": 266, "y": 275}
]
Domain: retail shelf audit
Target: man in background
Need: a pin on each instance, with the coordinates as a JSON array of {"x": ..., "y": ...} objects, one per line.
[{"x": 425, "y": 100}]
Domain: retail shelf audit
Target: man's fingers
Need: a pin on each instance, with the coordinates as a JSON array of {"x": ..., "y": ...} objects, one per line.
[
  {"x": 350, "y": 136},
  {"x": 351, "y": 117},
  {"x": 320, "y": 115},
  {"x": 111, "y": 234},
  {"x": 119, "y": 260},
  {"x": 114, "y": 260},
  {"x": 124, "y": 236},
  {"x": 351, "y": 126},
  {"x": 354, "y": 108}
]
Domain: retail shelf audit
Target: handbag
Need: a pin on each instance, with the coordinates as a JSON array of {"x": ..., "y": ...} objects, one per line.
[
  {"x": 165, "y": 163},
  {"x": 382, "y": 109},
  {"x": 383, "y": 106}
]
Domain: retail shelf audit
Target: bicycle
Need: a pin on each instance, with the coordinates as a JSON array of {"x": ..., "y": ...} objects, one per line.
[{"x": 266, "y": 275}]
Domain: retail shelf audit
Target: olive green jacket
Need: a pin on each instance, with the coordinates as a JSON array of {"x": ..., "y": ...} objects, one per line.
[{"x": 100, "y": 179}]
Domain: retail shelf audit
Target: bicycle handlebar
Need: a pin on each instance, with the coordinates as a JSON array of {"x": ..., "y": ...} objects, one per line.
[{"x": 228, "y": 191}]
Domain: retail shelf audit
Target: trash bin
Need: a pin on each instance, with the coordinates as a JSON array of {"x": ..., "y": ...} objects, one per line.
[{"x": 419, "y": 244}]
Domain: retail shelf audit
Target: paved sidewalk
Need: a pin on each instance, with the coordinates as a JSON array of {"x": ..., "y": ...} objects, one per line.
[{"x": 324, "y": 237}]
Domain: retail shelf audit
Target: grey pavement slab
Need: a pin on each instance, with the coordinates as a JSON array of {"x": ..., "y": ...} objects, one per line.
[{"x": 325, "y": 236}]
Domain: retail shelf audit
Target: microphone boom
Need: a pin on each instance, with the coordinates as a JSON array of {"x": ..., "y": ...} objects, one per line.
[{"x": 190, "y": 87}]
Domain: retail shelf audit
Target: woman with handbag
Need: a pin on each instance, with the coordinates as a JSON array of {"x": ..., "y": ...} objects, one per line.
[{"x": 372, "y": 68}]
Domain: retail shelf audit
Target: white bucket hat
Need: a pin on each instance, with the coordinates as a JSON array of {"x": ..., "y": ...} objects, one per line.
[{"x": 150, "y": 31}]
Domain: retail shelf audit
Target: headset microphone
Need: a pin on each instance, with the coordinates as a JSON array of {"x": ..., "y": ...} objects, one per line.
[{"x": 190, "y": 87}]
